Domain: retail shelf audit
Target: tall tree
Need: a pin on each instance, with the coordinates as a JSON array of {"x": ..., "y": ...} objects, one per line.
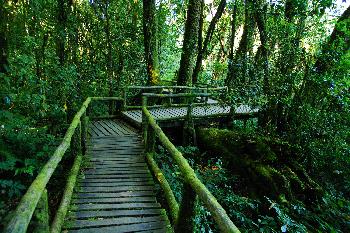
[
  {"x": 240, "y": 60},
  {"x": 202, "y": 50},
  {"x": 230, "y": 67},
  {"x": 151, "y": 41},
  {"x": 3, "y": 40},
  {"x": 190, "y": 43}
]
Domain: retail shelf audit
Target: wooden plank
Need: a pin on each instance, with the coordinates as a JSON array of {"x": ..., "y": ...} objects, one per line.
[
  {"x": 116, "y": 159},
  {"x": 116, "y": 130},
  {"x": 100, "y": 128},
  {"x": 126, "y": 126},
  {"x": 149, "y": 226},
  {"x": 116, "y": 127},
  {"x": 116, "y": 184},
  {"x": 116, "y": 180},
  {"x": 112, "y": 221},
  {"x": 115, "y": 189},
  {"x": 120, "y": 206},
  {"x": 93, "y": 176},
  {"x": 97, "y": 130},
  {"x": 115, "y": 172},
  {"x": 93, "y": 130},
  {"x": 114, "y": 200},
  {"x": 118, "y": 165},
  {"x": 116, "y": 195},
  {"x": 103, "y": 124},
  {"x": 113, "y": 213}
]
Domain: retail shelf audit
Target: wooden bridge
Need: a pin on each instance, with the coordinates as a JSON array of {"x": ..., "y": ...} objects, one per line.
[{"x": 115, "y": 191}]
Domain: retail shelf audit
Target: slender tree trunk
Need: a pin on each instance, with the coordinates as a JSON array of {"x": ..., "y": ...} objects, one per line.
[
  {"x": 260, "y": 19},
  {"x": 241, "y": 57},
  {"x": 230, "y": 70},
  {"x": 200, "y": 44},
  {"x": 338, "y": 45},
  {"x": 3, "y": 39},
  {"x": 61, "y": 30},
  {"x": 151, "y": 41},
  {"x": 190, "y": 42},
  {"x": 202, "y": 51}
]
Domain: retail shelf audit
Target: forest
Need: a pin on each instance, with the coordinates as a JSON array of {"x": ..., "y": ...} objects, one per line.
[{"x": 284, "y": 170}]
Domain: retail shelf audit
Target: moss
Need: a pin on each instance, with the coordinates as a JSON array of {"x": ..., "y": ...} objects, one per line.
[{"x": 264, "y": 163}]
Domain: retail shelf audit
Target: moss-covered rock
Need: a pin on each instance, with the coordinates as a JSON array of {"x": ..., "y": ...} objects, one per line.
[{"x": 268, "y": 165}]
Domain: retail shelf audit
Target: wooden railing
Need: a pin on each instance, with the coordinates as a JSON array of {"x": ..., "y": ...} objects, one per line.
[
  {"x": 168, "y": 90},
  {"x": 181, "y": 215},
  {"x": 35, "y": 200}
]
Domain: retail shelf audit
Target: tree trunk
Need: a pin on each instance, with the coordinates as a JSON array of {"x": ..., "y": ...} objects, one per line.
[
  {"x": 189, "y": 48},
  {"x": 230, "y": 71},
  {"x": 260, "y": 19},
  {"x": 3, "y": 40},
  {"x": 151, "y": 41},
  {"x": 61, "y": 31},
  {"x": 202, "y": 51},
  {"x": 245, "y": 44}
]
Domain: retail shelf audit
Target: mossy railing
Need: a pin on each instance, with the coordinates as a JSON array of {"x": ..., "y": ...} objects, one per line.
[
  {"x": 35, "y": 201},
  {"x": 170, "y": 90},
  {"x": 182, "y": 217}
]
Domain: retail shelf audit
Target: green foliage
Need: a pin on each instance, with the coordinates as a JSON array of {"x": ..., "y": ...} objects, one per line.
[{"x": 23, "y": 150}]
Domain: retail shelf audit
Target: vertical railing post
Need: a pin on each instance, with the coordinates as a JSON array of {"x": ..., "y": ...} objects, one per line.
[
  {"x": 151, "y": 140},
  {"x": 125, "y": 96},
  {"x": 189, "y": 133},
  {"x": 144, "y": 122},
  {"x": 185, "y": 223},
  {"x": 41, "y": 215},
  {"x": 84, "y": 130},
  {"x": 76, "y": 147}
]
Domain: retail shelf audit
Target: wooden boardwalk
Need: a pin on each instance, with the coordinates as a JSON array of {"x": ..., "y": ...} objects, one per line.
[
  {"x": 116, "y": 191},
  {"x": 178, "y": 113}
]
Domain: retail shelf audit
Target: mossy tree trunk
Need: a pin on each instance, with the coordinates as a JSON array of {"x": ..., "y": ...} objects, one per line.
[
  {"x": 151, "y": 41},
  {"x": 3, "y": 39},
  {"x": 202, "y": 50},
  {"x": 189, "y": 48},
  {"x": 239, "y": 67}
]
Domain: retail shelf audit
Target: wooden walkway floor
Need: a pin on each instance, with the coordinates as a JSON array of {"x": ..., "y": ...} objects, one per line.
[
  {"x": 116, "y": 192},
  {"x": 208, "y": 111}
]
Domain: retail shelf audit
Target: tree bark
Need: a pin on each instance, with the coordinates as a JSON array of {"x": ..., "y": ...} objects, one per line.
[
  {"x": 202, "y": 51},
  {"x": 245, "y": 44},
  {"x": 230, "y": 71},
  {"x": 151, "y": 41},
  {"x": 61, "y": 30},
  {"x": 3, "y": 39},
  {"x": 260, "y": 19},
  {"x": 189, "y": 48},
  {"x": 338, "y": 44}
]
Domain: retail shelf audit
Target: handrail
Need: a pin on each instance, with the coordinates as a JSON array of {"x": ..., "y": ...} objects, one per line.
[
  {"x": 177, "y": 95},
  {"x": 184, "y": 89},
  {"x": 219, "y": 214},
  {"x": 177, "y": 87},
  {"x": 25, "y": 209}
]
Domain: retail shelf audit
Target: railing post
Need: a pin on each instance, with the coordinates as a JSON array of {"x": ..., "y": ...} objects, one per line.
[
  {"x": 125, "y": 96},
  {"x": 151, "y": 139},
  {"x": 144, "y": 122},
  {"x": 189, "y": 133},
  {"x": 76, "y": 147},
  {"x": 185, "y": 223},
  {"x": 84, "y": 129},
  {"x": 41, "y": 215}
]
